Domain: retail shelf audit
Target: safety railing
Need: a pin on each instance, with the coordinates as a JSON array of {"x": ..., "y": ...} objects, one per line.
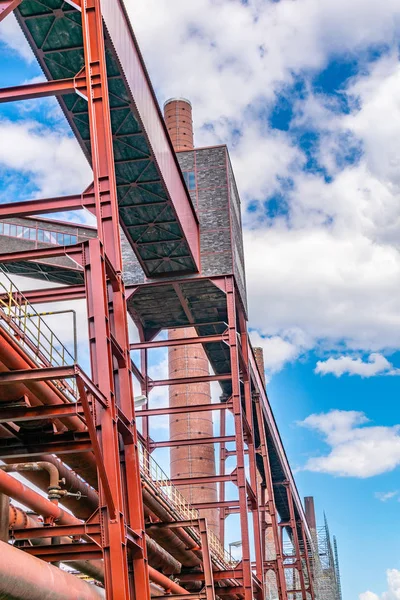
[
  {"x": 157, "y": 477},
  {"x": 31, "y": 332}
]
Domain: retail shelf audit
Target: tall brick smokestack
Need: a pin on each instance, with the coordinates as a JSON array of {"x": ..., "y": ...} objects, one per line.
[
  {"x": 189, "y": 361},
  {"x": 179, "y": 122}
]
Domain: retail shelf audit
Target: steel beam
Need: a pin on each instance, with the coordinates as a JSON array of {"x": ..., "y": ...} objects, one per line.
[
  {"x": 38, "y": 413},
  {"x": 7, "y": 6},
  {"x": 193, "y": 441},
  {"x": 27, "y": 208},
  {"x": 188, "y": 380},
  {"x": 57, "y": 87},
  {"x": 206, "y": 339},
  {"x": 178, "y": 410},
  {"x": 59, "y": 294}
]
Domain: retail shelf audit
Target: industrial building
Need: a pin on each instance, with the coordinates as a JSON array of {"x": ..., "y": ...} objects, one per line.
[{"x": 166, "y": 254}]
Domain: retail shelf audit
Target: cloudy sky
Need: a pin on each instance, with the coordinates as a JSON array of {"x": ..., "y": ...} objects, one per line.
[{"x": 306, "y": 93}]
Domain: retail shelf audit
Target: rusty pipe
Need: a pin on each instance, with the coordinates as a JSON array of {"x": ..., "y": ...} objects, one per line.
[
  {"x": 25, "y": 577},
  {"x": 22, "y": 493},
  {"x": 19, "y": 519},
  {"x": 166, "y": 583},
  {"x": 81, "y": 507},
  {"x": 54, "y": 476}
]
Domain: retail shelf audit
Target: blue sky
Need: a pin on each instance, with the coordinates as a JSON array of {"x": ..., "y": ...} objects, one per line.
[{"x": 306, "y": 95}]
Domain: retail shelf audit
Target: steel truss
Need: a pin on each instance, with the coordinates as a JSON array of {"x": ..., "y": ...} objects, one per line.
[{"x": 116, "y": 531}]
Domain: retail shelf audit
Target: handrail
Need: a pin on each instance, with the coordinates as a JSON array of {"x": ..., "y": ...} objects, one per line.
[{"x": 31, "y": 331}]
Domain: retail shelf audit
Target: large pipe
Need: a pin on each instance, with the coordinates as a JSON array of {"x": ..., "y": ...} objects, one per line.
[
  {"x": 25, "y": 577},
  {"x": 17, "y": 490},
  {"x": 81, "y": 507},
  {"x": 22, "y": 493},
  {"x": 168, "y": 585}
]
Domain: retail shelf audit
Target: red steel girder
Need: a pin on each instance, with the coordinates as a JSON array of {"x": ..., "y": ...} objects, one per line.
[
  {"x": 66, "y": 552},
  {"x": 7, "y": 6},
  {"x": 182, "y": 342},
  {"x": 204, "y": 479},
  {"x": 178, "y": 410},
  {"x": 188, "y": 380},
  {"x": 57, "y": 87},
  {"x": 27, "y": 208},
  {"x": 74, "y": 252},
  {"x": 193, "y": 441},
  {"x": 38, "y": 413},
  {"x": 59, "y": 294}
]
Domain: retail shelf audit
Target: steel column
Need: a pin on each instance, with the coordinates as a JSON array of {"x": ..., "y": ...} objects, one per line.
[{"x": 238, "y": 419}]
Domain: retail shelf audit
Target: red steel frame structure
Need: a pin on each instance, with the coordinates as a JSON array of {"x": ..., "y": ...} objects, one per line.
[
  {"x": 120, "y": 515},
  {"x": 106, "y": 403}
]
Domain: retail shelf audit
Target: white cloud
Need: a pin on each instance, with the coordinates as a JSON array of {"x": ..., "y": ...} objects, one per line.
[
  {"x": 393, "y": 591},
  {"x": 385, "y": 496},
  {"x": 330, "y": 268},
  {"x": 52, "y": 160},
  {"x": 376, "y": 364},
  {"x": 11, "y": 35},
  {"x": 357, "y": 449},
  {"x": 279, "y": 349}
]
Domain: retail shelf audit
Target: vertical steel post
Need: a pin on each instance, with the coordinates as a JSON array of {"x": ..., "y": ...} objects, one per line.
[
  {"x": 296, "y": 541},
  {"x": 108, "y": 328},
  {"x": 281, "y": 581},
  {"x": 222, "y": 459},
  {"x": 260, "y": 571},
  {"x": 207, "y": 564},
  {"x": 238, "y": 419}
]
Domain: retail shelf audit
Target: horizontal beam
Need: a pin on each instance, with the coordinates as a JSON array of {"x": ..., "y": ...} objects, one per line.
[
  {"x": 217, "y": 575},
  {"x": 56, "y": 87},
  {"x": 193, "y": 441},
  {"x": 53, "y": 373},
  {"x": 39, "y": 374},
  {"x": 188, "y": 380},
  {"x": 66, "y": 552},
  {"x": 59, "y": 294},
  {"x": 173, "y": 524},
  {"x": 27, "y": 208},
  {"x": 58, "y": 531},
  {"x": 74, "y": 252},
  {"x": 178, "y": 410},
  {"x": 38, "y": 413},
  {"x": 7, "y": 6},
  {"x": 206, "y": 339},
  {"x": 226, "y": 504},
  {"x": 201, "y": 480},
  {"x": 24, "y": 450}
]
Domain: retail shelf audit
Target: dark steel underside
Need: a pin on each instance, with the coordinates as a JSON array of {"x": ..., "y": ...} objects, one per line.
[{"x": 147, "y": 215}]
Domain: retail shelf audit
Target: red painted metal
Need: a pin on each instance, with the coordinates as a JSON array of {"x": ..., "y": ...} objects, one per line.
[
  {"x": 121, "y": 33},
  {"x": 61, "y": 294},
  {"x": 19, "y": 491},
  {"x": 27, "y": 208},
  {"x": 7, "y": 6},
  {"x": 27, "y": 578},
  {"x": 43, "y": 89},
  {"x": 107, "y": 316}
]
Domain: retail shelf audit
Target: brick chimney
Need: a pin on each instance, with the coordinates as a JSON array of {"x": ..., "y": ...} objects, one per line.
[
  {"x": 179, "y": 121},
  {"x": 189, "y": 361}
]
